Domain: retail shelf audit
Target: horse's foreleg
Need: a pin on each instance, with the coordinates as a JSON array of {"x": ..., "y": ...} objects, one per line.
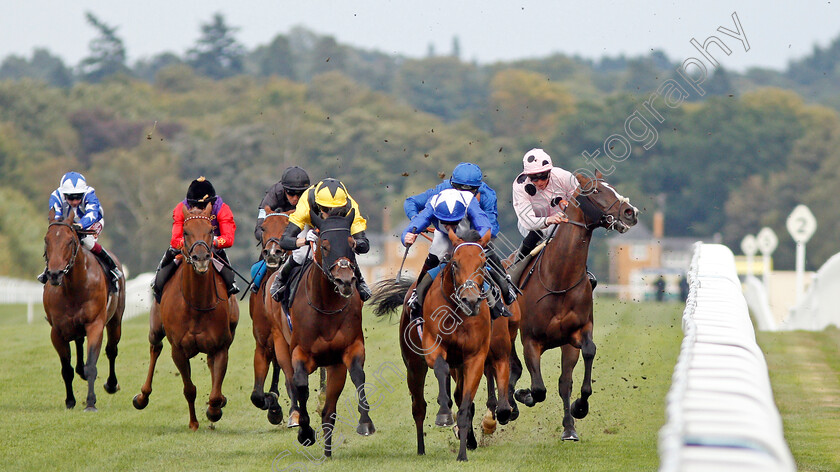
[
  {"x": 336, "y": 376},
  {"x": 569, "y": 360},
  {"x": 416, "y": 378},
  {"x": 80, "y": 358},
  {"x": 114, "y": 329},
  {"x": 501, "y": 368},
  {"x": 183, "y": 364},
  {"x": 468, "y": 380},
  {"x": 275, "y": 377},
  {"x": 515, "y": 375},
  {"x": 261, "y": 364},
  {"x": 488, "y": 423},
  {"x": 218, "y": 367},
  {"x": 94, "y": 337},
  {"x": 444, "y": 415},
  {"x": 306, "y": 435},
  {"x": 283, "y": 358},
  {"x": 62, "y": 347},
  {"x": 580, "y": 407},
  {"x": 156, "y": 335},
  {"x": 355, "y": 357},
  {"x": 536, "y": 393}
]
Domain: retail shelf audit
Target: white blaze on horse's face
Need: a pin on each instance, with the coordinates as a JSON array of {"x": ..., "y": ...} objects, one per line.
[{"x": 627, "y": 213}]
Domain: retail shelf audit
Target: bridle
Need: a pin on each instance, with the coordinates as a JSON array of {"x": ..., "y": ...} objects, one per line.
[
  {"x": 283, "y": 254},
  {"x": 342, "y": 263},
  {"x": 469, "y": 284},
  {"x": 188, "y": 257},
  {"x": 76, "y": 245}
]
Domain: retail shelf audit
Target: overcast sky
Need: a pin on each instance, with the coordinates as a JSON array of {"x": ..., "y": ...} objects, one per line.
[{"x": 488, "y": 30}]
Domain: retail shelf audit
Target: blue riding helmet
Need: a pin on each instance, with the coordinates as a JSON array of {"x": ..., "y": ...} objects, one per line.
[
  {"x": 466, "y": 173},
  {"x": 450, "y": 205}
]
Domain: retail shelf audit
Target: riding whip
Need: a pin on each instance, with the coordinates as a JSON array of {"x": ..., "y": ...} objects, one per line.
[{"x": 405, "y": 254}]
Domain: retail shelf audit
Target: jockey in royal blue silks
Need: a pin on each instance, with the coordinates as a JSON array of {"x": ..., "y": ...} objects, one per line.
[
  {"x": 453, "y": 209},
  {"x": 468, "y": 177},
  {"x": 74, "y": 196}
]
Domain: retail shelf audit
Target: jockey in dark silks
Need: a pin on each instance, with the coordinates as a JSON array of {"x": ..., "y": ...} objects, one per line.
[
  {"x": 453, "y": 209},
  {"x": 280, "y": 197},
  {"x": 199, "y": 194},
  {"x": 330, "y": 198},
  {"x": 468, "y": 177},
  {"x": 74, "y": 196}
]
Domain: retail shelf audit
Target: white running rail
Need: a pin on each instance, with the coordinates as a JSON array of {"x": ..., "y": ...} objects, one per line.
[{"x": 720, "y": 411}]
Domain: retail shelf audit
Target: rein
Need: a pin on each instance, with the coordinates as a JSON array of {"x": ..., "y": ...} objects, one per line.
[
  {"x": 76, "y": 245},
  {"x": 467, "y": 285},
  {"x": 188, "y": 258},
  {"x": 284, "y": 255},
  {"x": 328, "y": 274}
]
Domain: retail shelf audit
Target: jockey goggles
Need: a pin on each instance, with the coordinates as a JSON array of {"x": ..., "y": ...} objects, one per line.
[
  {"x": 74, "y": 196},
  {"x": 540, "y": 176},
  {"x": 468, "y": 188},
  {"x": 293, "y": 193}
]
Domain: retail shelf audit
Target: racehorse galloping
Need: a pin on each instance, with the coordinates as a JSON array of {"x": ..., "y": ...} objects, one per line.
[
  {"x": 327, "y": 329},
  {"x": 455, "y": 335},
  {"x": 78, "y": 304},
  {"x": 556, "y": 297},
  {"x": 196, "y": 315},
  {"x": 502, "y": 369},
  {"x": 272, "y": 230}
]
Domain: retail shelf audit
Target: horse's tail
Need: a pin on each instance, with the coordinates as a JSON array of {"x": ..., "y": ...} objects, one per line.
[{"x": 389, "y": 295}]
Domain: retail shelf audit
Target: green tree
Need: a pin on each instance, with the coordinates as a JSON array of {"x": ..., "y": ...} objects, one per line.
[
  {"x": 217, "y": 54},
  {"x": 107, "y": 53}
]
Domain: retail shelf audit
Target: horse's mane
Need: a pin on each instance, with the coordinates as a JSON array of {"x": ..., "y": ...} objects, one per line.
[{"x": 471, "y": 236}]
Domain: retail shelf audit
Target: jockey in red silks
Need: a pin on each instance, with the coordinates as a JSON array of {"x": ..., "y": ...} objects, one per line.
[
  {"x": 200, "y": 194},
  {"x": 540, "y": 194},
  {"x": 74, "y": 196}
]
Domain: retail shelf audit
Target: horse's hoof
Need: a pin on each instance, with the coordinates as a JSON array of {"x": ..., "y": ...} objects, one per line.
[
  {"x": 523, "y": 395},
  {"x": 112, "y": 389},
  {"x": 570, "y": 435},
  {"x": 472, "y": 444},
  {"x": 503, "y": 415},
  {"x": 194, "y": 426},
  {"x": 214, "y": 416},
  {"x": 488, "y": 424},
  {"x": 538, "y": 394},
  {"x": 91, "y": 409},
  {"x": 514, "y": 412},
  {"x": 444, "y": 419},
  {"x": 259, "y": 400},
  {"x": 580, "y": 408},
  {"x": 275, "y": 414},
  {"x": 294, "y": 419},
  {"x": 138, "y": 403},
  {"x": 224, "y": 402},
  {"x": 365, "y": 429},
  {"x": 306, "y": 436},
  {"x": 70, "y": 404}
]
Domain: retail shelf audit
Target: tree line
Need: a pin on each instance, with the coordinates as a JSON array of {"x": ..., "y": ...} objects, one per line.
[{"x": 391, "y": 126}]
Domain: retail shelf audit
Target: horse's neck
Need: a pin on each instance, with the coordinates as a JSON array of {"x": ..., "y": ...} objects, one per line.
[
  {"x": 321, "y": 288},
  {"x": 77, "y": 277},
  {"x": 199, "y": 289},
  {"x": 568, "y": 250}
]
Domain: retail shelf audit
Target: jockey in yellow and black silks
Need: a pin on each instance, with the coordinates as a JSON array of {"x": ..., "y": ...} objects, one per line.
[{"x": 329, "y": 197}]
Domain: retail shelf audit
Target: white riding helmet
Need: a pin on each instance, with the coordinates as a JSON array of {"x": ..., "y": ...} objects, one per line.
[{"x": 72, "y": 182}]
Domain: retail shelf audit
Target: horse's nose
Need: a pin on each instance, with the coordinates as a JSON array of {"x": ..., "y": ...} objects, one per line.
[
  {"x": 631, "y": 215},
  {"x": 55, "y": 276},
  {"x": 200, "y": 257}
]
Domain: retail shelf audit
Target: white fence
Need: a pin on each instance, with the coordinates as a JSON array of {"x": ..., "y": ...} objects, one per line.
[
  {"x": 138, "y": 295},
  {"x": 720, "y": 410}
]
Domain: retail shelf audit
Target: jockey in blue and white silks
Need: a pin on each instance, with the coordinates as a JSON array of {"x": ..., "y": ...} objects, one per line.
[
  {"x": 74, "y": 197},
  {"x": 451, "y": 209}
]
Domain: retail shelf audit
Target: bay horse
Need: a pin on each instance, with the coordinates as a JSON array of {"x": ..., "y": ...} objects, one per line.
[
  {"x": 196, "y": 315},
  {"x": 502, "y": 369},
  {"x": 326, "y": 316},
  {"x": 77, "y": 304},
  {"x": 273, "y": 226},
  {"x": 455, "y": 337},
  {"x": 556, "y": 298}
]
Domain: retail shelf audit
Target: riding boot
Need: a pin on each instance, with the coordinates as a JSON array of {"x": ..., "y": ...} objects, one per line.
[
  {"x": 528, "y": 244},
  {"x": 229, "y": 278},
  {"x": 362, "y": 286},
  {"x": 164, "y": 271},
  {"x": 592, "y": 280},
  {"x": 415, "y": 302},
  {"x": 414, "y": 305},
  {"x": 105, "y": 257},
  {"x": 281, "y": 282},
  {"x": 502, "y": 279}
]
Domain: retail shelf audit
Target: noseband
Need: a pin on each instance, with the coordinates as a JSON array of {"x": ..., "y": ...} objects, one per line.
[
  {"x": 76, "y": 245},
  {"x": 602, "y": 218},
  {"x": 201, "y": 242},
  {"x": 469, "y": 284},
  {"x": 283, "y": 254},
  {"x": 342, "y": 263}
]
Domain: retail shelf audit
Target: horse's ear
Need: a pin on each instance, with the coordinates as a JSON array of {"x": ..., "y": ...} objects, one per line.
[
  {"x": 208, "y": 210},
  {"x": 351, "y": 216},
  {"x": 267, "y": 209},
  {"x": 485, "y": 239},
  {"x": 454, "y": 238},
  {"x": 598, "y": 174},
  {"x": 185, "y": 211},
  {"x": 316, "y": 219}
]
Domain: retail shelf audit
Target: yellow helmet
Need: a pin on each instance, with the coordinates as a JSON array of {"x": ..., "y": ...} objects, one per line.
[{"x": 330, "y": 193}]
